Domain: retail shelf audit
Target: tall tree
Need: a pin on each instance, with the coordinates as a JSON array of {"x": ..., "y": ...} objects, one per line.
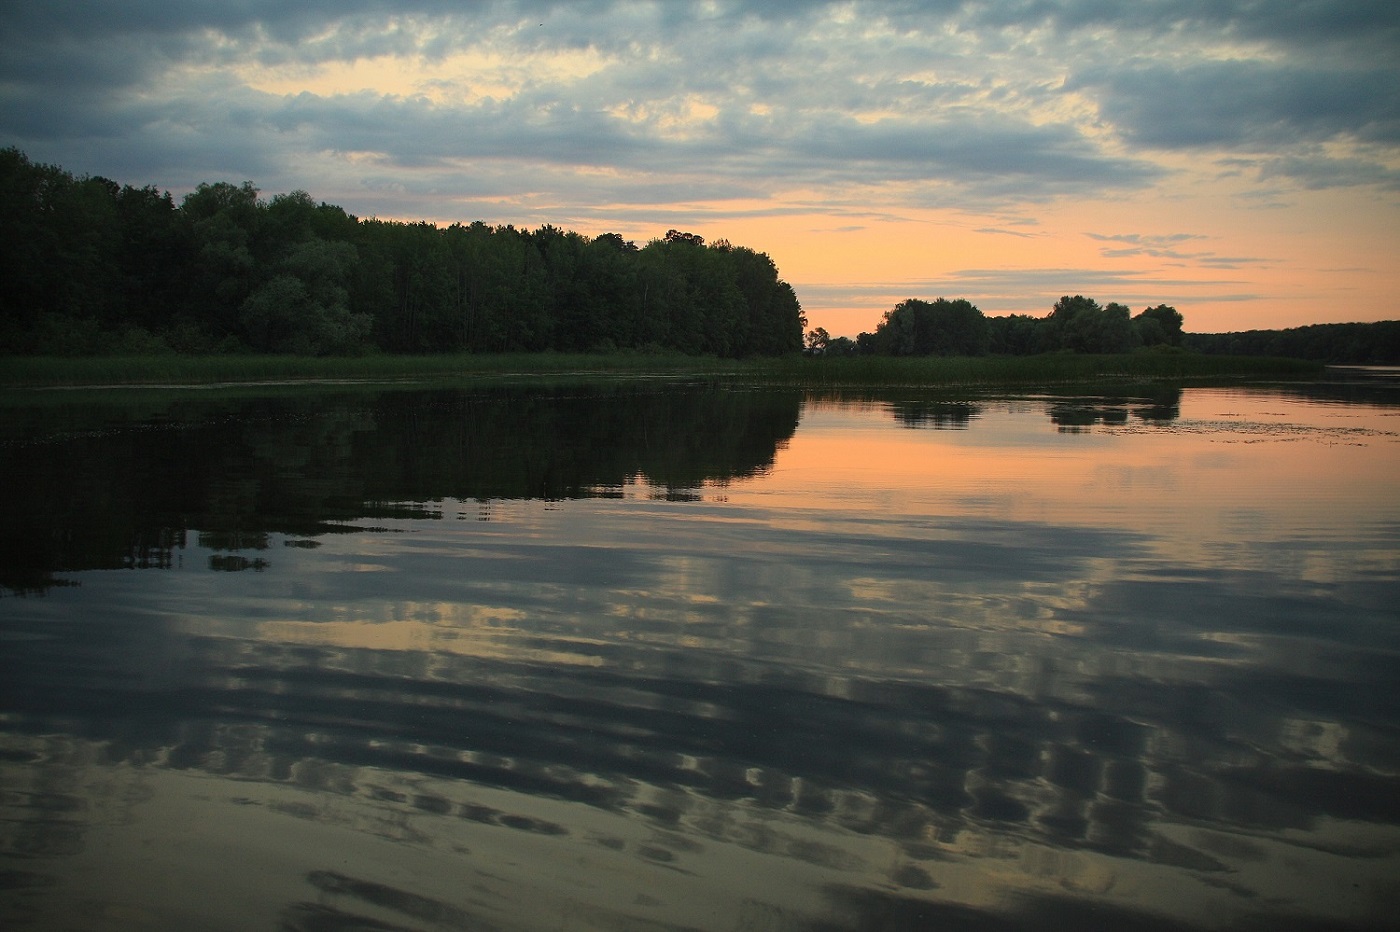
[
  {"x": 305, "y": 307},
  {"x": 923, "y": 328},
  {"x": 1158, "y": 326},
  {"x": 224, "y": 219}
]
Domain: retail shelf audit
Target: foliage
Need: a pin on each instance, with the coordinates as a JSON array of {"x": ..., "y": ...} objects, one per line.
[
  {"x": 1374, "y": 344},
  {"x": 821, "y": 343},
  {"x": 1159, "y": 326},
  {"x": 923, "y": 328},
  {"x": 91, "y": 267},
  {"x": 304, "y": 308},
  {"x": 1075, "y": 324}
]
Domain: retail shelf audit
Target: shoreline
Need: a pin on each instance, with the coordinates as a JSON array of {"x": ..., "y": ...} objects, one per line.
[{"x": 202, "y": 372}]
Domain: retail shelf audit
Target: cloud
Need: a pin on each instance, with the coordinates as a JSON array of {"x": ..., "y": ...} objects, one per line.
[
  {"x": 1373, "y": 25},
  {"x": 608, "y": 113},
  {"x": 1157, "y": 246},
  {"x": 1317, "y": 171},
  {"x": 1245, "y": 105},
  {"x": 1031, "y": 291},
  {"x": 1164, "y": 246},
  {"x": 734, "y": 110},
  {"x": 1006, "y": 290},
  {"x": 997, "y": 231},
  {"x": 1145, "y": 239}
]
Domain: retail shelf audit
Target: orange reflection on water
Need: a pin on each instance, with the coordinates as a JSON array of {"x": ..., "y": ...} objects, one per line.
[{"x": 1230, "y": 469}]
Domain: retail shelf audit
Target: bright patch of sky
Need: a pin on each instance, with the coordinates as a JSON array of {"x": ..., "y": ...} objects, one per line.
[{"x": 1229, "y": 158}]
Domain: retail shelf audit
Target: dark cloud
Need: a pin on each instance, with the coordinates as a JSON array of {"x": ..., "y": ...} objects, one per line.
[
  {"x": 65, "y": 64},
  {"x": 946, "y": 102},
  {"x": 1317, "y": 171},
  {"x": 415, "y": 130},
  {"x": 1294, "y": 23},
  {"x": 1244, "y": 105},
  {"x": 280, "y": 20},
  {"x": 969, "y": 148},
  {"x": 1307, "y": 24}
]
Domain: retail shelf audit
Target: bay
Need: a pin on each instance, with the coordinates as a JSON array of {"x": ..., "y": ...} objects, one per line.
[{"x": 643, "y": 654}]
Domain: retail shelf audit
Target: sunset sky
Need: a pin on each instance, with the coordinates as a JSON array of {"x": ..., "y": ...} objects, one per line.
[{"x": 1238, "y": 160}]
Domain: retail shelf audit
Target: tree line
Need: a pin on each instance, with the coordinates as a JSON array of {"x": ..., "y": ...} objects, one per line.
[
  {"x": 1375, "y": 344},
  {"x": 957, "y": 328},
  {"x": 1078, "y": 324},
  {"x": 92, "y": 266}
]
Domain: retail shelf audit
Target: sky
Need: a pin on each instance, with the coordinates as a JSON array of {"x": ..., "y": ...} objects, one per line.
[{"x": 1237, "y": 159}]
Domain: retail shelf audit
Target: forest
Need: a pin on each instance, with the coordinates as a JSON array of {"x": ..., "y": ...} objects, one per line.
[
  {"x": 94, "y": 267},
  {"x": 957, "y": 328},
  {"x": 1081, "y": 325},
  {"x": 1373, "y": 344}
]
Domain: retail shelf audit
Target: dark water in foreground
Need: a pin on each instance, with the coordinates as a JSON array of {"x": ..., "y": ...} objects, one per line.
[{"x": 653, "y": 657}]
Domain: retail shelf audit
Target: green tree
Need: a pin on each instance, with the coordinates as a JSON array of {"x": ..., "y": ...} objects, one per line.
[
  {"x": 1059, "y": 332},
  {"x": 774, "y": 319},
  {"x": 60, "y": 257},
  {"x": 1094, "y": 329},
  {"x": 224, "y": 219},
  {"x": 923, "y": 328},
  {"x": 156, "y": 258},
  {"x": 1159, "y": 326},
  {"x": 841, "y": 346},
  {"x": 608, "y": 273},
  {"x": 304, "y": 308},
  {"x": 1016, "y": 335}
]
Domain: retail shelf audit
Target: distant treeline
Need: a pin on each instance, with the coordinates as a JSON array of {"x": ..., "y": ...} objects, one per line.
[
  {"x": 957, "y": 328},
  {"x": 89, "y": 266},
  {"x": 1079, "y": 324},
  {"x": 1376, "y": 344}
]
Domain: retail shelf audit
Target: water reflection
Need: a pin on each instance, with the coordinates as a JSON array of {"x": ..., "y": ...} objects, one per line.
[
  {"x": 887, "y": 691},
  {"x": 306, "y": 464},
  {"x": 936, "y": 414}
]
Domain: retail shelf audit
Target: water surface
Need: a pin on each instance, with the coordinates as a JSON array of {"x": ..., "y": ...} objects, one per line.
[{"x": 644, "y": 655}]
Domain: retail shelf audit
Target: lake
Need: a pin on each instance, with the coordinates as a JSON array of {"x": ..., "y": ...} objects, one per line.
[{"x": 654, "y": 655}]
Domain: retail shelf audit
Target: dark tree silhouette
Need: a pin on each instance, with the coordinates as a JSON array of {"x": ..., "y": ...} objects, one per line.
[{"x": 90, "y": 267}]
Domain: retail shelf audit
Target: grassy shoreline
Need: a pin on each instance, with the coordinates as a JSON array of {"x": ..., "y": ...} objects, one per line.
[{"x": 171, "y": 370}]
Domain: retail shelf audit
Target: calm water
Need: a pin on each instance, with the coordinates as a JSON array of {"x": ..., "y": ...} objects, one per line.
[{"x": 645, "y": 656}]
